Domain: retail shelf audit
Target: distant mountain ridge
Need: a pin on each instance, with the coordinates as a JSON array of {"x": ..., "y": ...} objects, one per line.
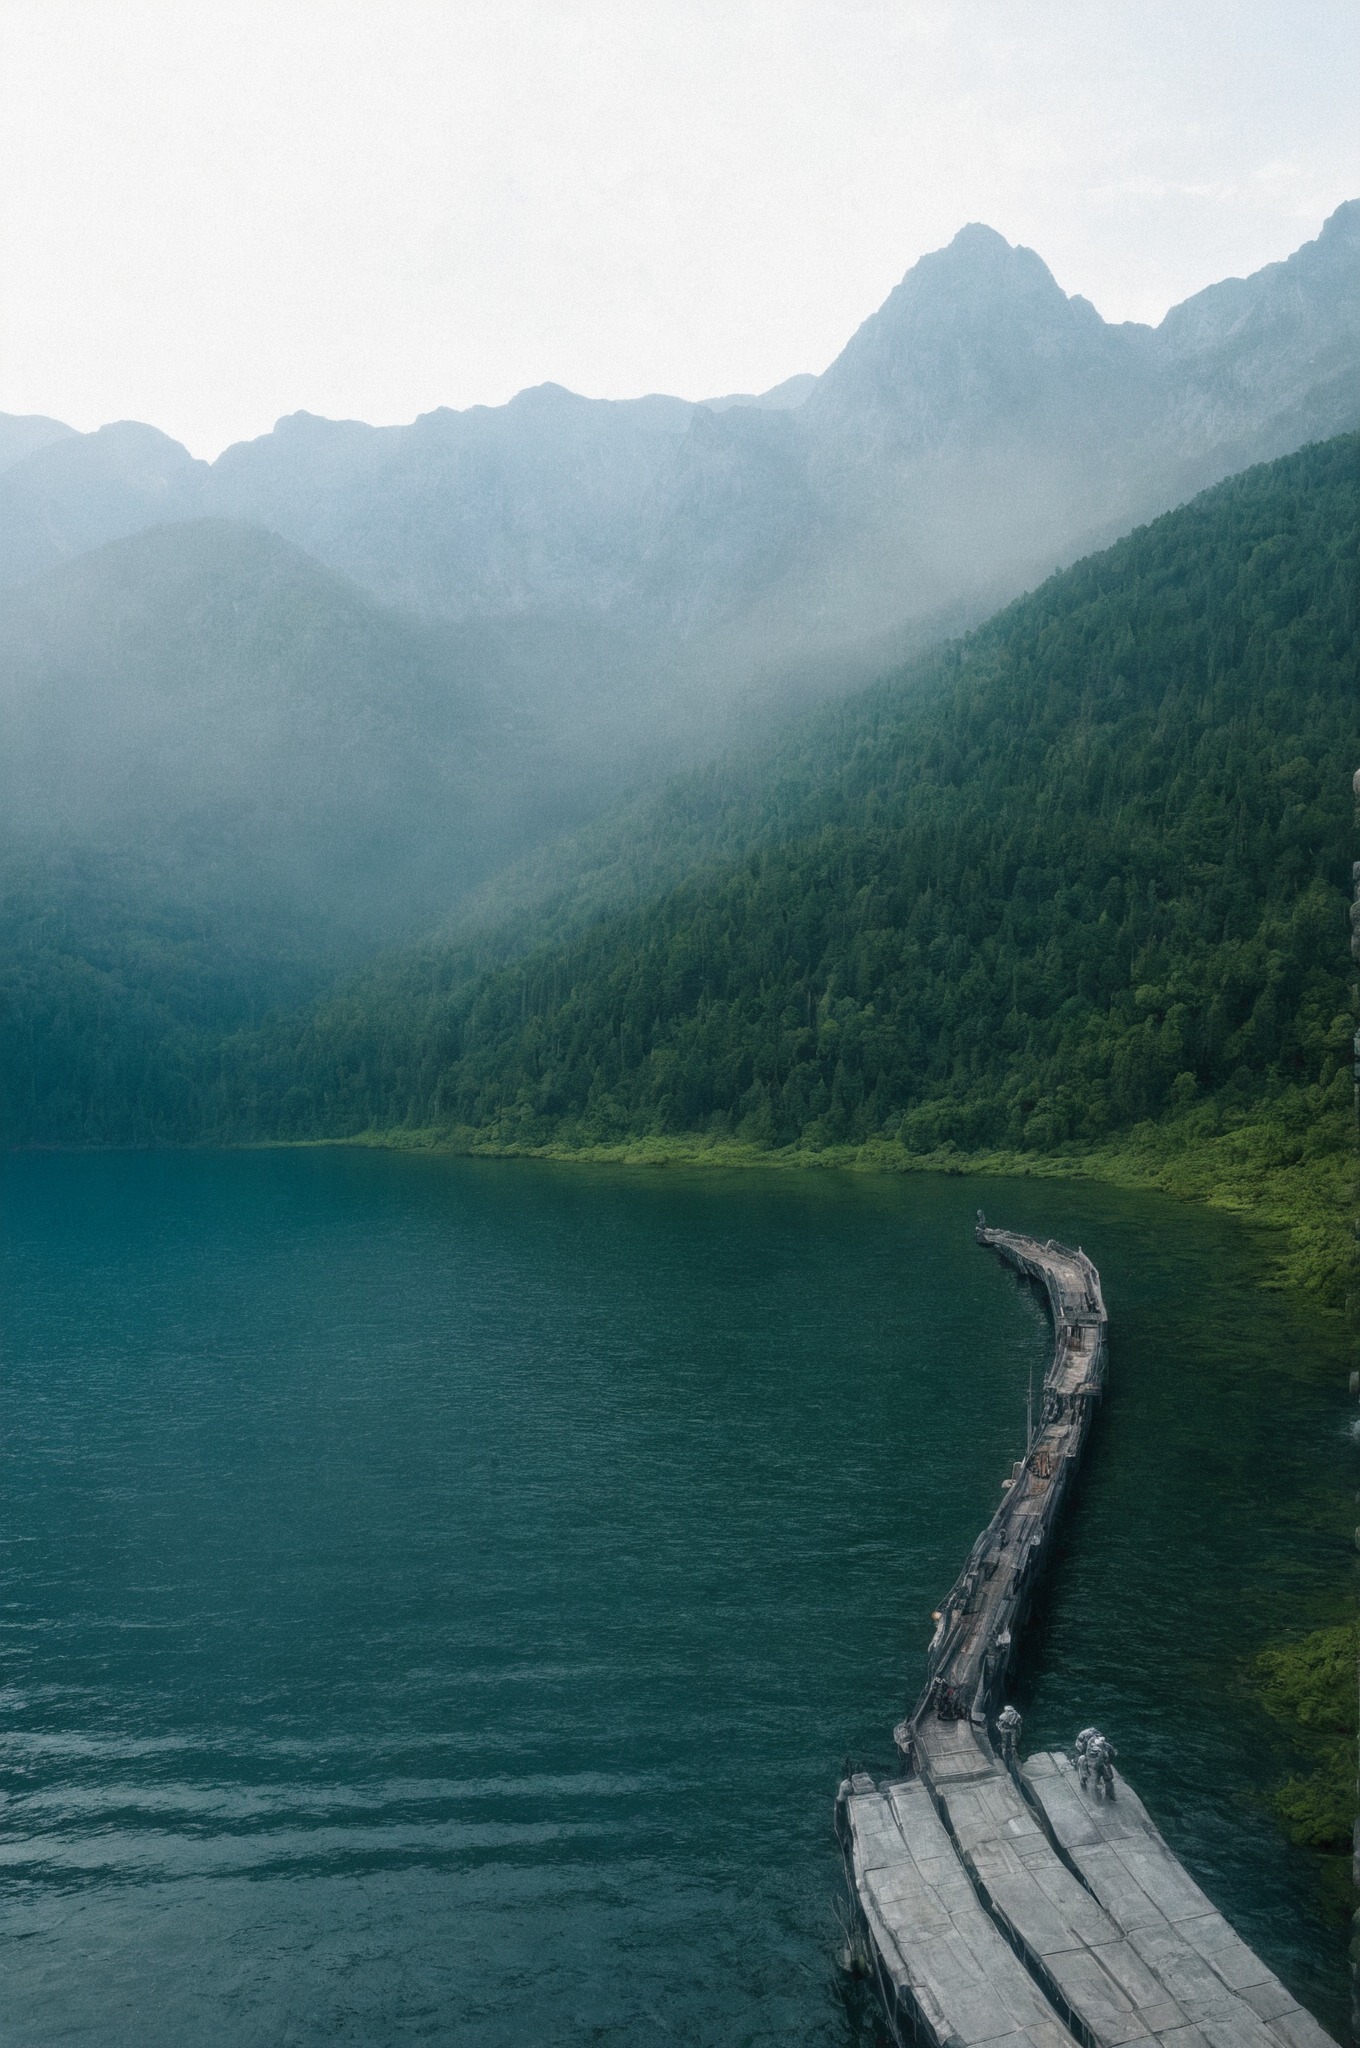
[
  {"x": 206, "y": 704},
  {"x": 348, "y": 674},
  {"x": 979, "y": 427},
  {"x": 23, "y": 434}
]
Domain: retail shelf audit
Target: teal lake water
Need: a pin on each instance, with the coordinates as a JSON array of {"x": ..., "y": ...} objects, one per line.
[{"x": 438, "y": 1596}]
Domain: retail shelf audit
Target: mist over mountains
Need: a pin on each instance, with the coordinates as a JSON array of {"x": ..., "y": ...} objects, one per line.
[
  {"x": 980, "y": 428},
  {"x": 256, "y": 724},
  {"x": 1086, "y": 867},
  {"x": 301, "y": 701}
]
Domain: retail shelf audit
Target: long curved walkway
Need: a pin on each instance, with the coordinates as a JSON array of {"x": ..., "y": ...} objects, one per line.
[{"x": 1008, "y": 1908}]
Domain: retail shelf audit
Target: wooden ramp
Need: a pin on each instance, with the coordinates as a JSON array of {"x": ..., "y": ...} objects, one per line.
[
  {"x": 1125, "y": 1863},
  {"x": 1095, "y": 1978},
  {"x": 998, "y": 1909},
  {"x": 945, "y": 1974}
]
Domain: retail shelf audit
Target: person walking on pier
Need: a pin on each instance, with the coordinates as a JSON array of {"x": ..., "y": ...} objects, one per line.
[
  {"x": 1095, "y": 1759},
  {"x": 1008, "y": 1727}
]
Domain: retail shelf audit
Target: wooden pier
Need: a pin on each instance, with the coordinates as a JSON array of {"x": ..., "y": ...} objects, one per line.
[{"x": 1005, "y": 1907}]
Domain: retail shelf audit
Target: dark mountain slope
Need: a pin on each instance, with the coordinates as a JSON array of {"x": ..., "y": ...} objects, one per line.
[
  {"x": 207, "y": 695},
  {"x": 1087, "y": 865},
  {"x": 77, "y": 491},
  {"x": 227, "y": 774},
  {"x": 116, "y": 980}
]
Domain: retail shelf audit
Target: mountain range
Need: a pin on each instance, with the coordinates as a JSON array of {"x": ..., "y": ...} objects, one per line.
[
  {"x": 308, "y": 699},
  {"x": 1084, "y": 869},
  {"x": 977, "y": 430}
]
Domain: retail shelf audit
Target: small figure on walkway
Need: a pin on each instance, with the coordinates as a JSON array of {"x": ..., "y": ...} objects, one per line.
[
  {"x": 1008, "y": 1726},
  {"x": 1103, "y": 1754},
  {"x": 1095, "y": 1762},
  {"x": 1079, "y": 1748}
]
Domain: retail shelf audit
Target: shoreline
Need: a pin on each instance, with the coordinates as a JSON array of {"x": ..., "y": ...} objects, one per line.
[
  {"x": 1293, "y": 1177},
  {"x": 1287, "y": 1167}
]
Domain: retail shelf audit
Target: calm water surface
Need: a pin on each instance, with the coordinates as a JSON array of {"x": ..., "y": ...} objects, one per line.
[{"x": 438, "y": 1596}]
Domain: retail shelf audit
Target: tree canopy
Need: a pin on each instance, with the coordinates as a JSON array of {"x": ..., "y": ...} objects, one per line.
[{"x": 1082, "y": 867}]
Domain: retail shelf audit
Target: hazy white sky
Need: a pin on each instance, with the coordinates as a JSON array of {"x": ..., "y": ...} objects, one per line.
[{"x": 215, "y": 211}]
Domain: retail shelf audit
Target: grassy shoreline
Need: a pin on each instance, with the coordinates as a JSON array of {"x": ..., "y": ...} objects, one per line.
[{"x": 1288, "y": 1167}]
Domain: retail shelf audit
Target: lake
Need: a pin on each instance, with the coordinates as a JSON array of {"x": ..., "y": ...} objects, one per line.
[{"x": 439, "y": 1596}]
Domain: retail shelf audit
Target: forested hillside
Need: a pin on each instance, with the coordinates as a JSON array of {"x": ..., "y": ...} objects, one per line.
[
  {"x": 226, "y": 775},
  {"x": 231, "y": 773},
  {"x": 115, "y": 986},
  {"x": 1085, "y": 867}
]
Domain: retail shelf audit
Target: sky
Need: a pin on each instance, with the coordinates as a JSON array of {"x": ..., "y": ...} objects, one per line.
[{"x": 212, "y": 214}]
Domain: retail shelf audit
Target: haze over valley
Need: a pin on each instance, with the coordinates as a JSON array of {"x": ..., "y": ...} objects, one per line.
[
  {"x": 980, "y": 429},
  {"x": 343, "y": 675}
]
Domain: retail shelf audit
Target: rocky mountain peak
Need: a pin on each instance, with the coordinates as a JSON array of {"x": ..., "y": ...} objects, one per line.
[
  {"x": 1278, "y": 323},
  {"x": 968, "y": 330},
  {"x": 1341, "y": 230}
]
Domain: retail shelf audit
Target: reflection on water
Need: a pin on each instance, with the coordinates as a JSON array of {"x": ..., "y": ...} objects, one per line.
[{"x": 438, "y": 1596}]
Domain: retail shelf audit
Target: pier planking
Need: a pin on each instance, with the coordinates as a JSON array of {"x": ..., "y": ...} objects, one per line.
[
  {"x": 944, "y": 1970},
  {"x": 1125, "y": 1863},
  {"x": 980, "y": 1891}
]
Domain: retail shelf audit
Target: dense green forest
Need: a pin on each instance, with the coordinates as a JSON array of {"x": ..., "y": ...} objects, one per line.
[
  {"x": 1083, "y": 868},
  {"x": 116, "y": 983}
]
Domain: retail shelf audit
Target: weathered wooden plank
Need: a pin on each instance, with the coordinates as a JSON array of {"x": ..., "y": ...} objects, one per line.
[
  {"x": 950, "y": 1967},
  {"x": 1183, "y": 1938},
  {"x": 984, "y": 1934},
  {"x": 981, "y": 1616},
  {"x": 1092, "y": 1971}
]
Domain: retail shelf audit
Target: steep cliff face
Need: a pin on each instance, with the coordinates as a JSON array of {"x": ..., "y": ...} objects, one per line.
[
  {"x": 982, "y": 426},
  {"x": 980, "y": 416},
  {"x": 494, "y": 512},
  {"x": 977, "y": 341},
  {"x": 979, "y": 428},
  {"x": 1283, "y": 344}
]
